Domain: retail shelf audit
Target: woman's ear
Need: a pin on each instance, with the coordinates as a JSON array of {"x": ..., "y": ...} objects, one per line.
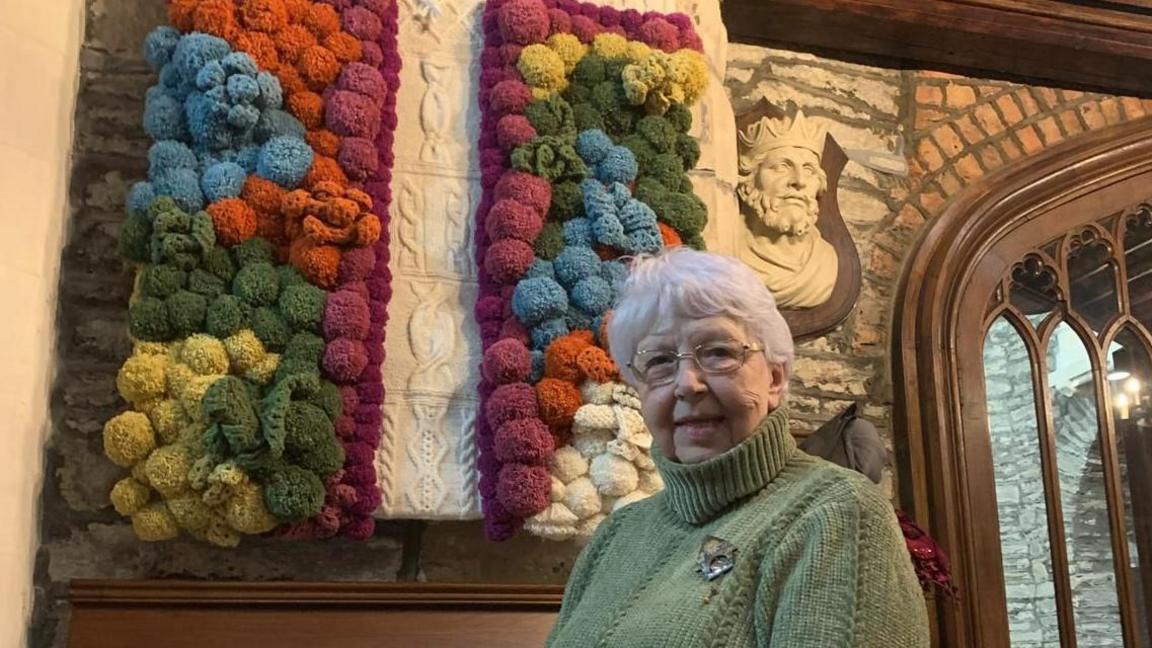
[{"x": 779, "y": 379}]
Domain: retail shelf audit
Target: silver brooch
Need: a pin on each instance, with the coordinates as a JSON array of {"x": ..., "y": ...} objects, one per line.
[{"x": 716, "y": 558}]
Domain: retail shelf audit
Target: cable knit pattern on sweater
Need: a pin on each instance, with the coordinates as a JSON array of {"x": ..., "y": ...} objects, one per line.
[{"x": 820, "y": 559}]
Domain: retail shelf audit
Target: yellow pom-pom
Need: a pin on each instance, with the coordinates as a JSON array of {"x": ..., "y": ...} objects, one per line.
[
  {"x": 637, "y": 51},
  {"x": 151, "y": 348},
  {"x": 191, "y": 513},
  {"x": 691, "y": 72},
  {"x": 167, "y": 419},
  {"x": 205, "y": 355},
  {"x": 263, "y": 372},
  {"x": 167, "y": 470},
  {"x": 194, "y": 393},
  {"x": 542, "y": 68},
  {"x": 142, "y": 379},
  {"x": 179, "y": 375},
  {"x": 569, "y": 49},
  {"x": 610, "y": 46},
  {"x": 244, "y": 350},
  {"x": 154, "y": 523},
  {"x": 139, "y": 474},
  {"x": 128, "y": 438},
  {"x": 220, "y": 534},
  {"x": 246, "y": 512},
  {"x": 129, "y": 496},
  {"x": 192, "y": 437}
]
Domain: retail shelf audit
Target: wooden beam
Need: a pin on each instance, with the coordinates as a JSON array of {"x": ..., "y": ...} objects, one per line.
[{"x": 1104, "y": 46}]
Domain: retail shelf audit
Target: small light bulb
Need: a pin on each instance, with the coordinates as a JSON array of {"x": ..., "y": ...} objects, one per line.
[
  {"x": 1132, "y": 385},
  {"x": 1121, "y": 402}
]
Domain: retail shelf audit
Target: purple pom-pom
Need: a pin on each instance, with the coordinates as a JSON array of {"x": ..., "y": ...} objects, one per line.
[
  {"x": 352, "y": 114},
  {"x": 346, "y": 315},
  {"x": 344, "y": 359}
]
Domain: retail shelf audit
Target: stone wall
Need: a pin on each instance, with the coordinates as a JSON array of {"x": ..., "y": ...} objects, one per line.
[{"x": 954, "y": 130}]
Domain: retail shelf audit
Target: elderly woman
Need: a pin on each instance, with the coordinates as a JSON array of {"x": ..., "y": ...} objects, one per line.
[{"x": 752, "y": 542}]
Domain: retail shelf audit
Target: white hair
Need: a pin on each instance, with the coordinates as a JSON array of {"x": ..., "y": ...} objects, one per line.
[{"x": 686, "y": 283}]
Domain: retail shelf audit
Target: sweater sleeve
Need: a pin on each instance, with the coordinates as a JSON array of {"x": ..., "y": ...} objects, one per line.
[
  {"x": 582, "y": 572},
  {"x": 842, "y": 577}
]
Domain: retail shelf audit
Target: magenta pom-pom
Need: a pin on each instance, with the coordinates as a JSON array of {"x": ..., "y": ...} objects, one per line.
[
  {"x": 362, "y": 23},
  {"x": 524, "y": 490},
  {"x": 352, "y": 114},
  {"x": 526, "y": 441},
  {"x": 660, "y": 34},
  {"x": 513, "y": 219},
  {"x": 344, "y": 359},
  {"x": 359, "y": 528},
  {"x": 346, "y": 315},
  {"x": 356, "y": 264},
  {"x": 508, "y": 260},
  {"x": 507, "y": 361},
  {"x": 584, "y": 28},
  {"x": 509, "y": 96},
  {"x": 509, "y": 403},
  {"x": 358, "y": 158},
  {"x": 523, "y": 21},
  {"x": 514, "y": 130},
  {"x": 531, "y": 190},
  {"x": 561, "y": 22}
]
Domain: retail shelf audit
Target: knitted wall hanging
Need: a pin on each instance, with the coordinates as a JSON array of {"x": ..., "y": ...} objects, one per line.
[
  {"x": 585, "y": 149},
  {"x": 262, "y": 285}
]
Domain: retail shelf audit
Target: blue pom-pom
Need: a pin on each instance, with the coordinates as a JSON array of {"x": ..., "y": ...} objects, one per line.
[
  {"x": 618, "y": 165},
  {"x": 285, "y": 161},
  {"x": 242, "y": 117},
  {"x": 615, "y": 273},
  {"x": 247, "y": 158},
  {"x": 206, "y": 122},
  {"x": 240, "y": 63},
  {"x": 577, "y": 319},
  {"x": 166, "y": 155},
  {"x": 271, "y": 94},
  {"x": 160, "y": 45},
  {"x": 537, "y": 372},
  {"x": 170, "y": 79},
  {"x": 210, "y": 76},
  {"x": 593, "y": 295},
  {"x": 578, "y": 232},
  {"x": 540, "y": 268},
  {"x": 548, "y": 332},
  {"x": 164, "y": 117},
  {"x": 277, "y": 123},
  {"x": 574, "y": 263},
  {"x": 538, "y": 299},
  {"x": 194, "y": 51},
  {"x": 592, "y": 145},
  {"x": 183, "y": 185},
  {"x": 243, "y": 89},
  {"x": 140, "y": 197},
  {"x": 224, "y": 180}
]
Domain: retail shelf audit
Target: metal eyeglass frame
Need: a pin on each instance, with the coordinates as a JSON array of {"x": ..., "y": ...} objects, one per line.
[{"x": 745, "y": 348}]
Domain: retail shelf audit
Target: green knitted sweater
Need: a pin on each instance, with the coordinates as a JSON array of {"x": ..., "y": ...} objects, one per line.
[{"x": 820, "y": 560}]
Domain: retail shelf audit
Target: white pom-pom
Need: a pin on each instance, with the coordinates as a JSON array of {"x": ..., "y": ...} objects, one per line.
[
  {"x": 613, "y": 475},
  {"x": 581, "y": 497},
  {"x": 558, "y": 489},
  {"x": 591, "y": 444},
  {"x": 568, "y": 464}
]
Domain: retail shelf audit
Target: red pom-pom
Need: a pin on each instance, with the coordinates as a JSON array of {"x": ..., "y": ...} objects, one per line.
[
  {"x": 514, "y": 130},
  {"x": 584, "y": 29},
  {"x": 524, "y": 21},
  {"x": 509, "y": 96},
  {"x": 512, "y": 219},
  {"x": 507, "y": 361},
  {"x": 507, "y": 260},
  {"x": 525, "y": 441},
  {"x": 527, "y": 189},
  {"x": 561, "y": 21},
  {"x": 660, "y": 34},
  {"x": 524, "y": 490},
  {"x": 509, "y": 403}
]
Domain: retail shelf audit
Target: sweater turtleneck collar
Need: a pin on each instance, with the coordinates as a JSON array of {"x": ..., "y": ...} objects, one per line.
[{"x": 698, "y": 492}]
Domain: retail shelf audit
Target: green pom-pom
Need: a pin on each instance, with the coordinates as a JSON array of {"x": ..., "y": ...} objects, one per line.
[
  {"x": 186, "y": 313},
  {"x": 302, "y": 306},
  {"x": 614, "y": 69},
  {"x": 226, "y": 315},
  {"x": 289, "y": 276},
  {"x": 552, "y": 116},
  {"x": 309, "y": 440},
  {"x": 293, "y": 494},
  {"x": 219, "y": 263},
  {"x": 254, "y": 250},
  {"x": 307, "y": 347},
  {"x": 608, "y": 97},
  {"x": 686, "y": 185},
  {"x": 688, "y": 149},
  {"x": 205, "y": 283},
  {"x": 578, "y": 93},
  {"x": 696, "y": 242},
  {"x": 148, "y": 320},
  {"x": 666, "y": 168},
  {"x": 257, "y": 283},
  {"x": 162, "y": 280},
  {"x": 589, "y": 70},
  {"x": 657, "y": 131},
  {"x": 567, "y": 201},
  {"x": 642, "y": 149},
  {"x": 685, "y": 213},
  {"x": 680, "y": 116},
  {"x": 270, "y": 328},
  {"x": 330, "y": 400},
  {"x": 295, "y": 366},
  {"x": 651, "y": 193},
  {"x": 135, "y": 237},
  {"x": 550, "y": 241},
  {"x": 586, "y": 116}
]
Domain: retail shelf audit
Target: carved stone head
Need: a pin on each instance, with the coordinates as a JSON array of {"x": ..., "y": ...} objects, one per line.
[{"x": 781, "y": 179}]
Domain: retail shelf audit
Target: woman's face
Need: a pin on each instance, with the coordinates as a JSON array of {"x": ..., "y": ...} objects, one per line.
[{"x": 698, "y": 416}]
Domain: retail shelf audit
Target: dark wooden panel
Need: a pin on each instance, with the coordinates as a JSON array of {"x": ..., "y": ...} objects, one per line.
[
  {"x": 129, "y": 614},
  {"x": 1095, "y": 45}
]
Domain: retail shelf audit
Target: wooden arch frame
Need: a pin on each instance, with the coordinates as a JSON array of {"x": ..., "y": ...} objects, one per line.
[{"x": 942, "y": 464}]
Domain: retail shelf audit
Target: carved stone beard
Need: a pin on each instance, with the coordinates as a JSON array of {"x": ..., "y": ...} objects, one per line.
[{"x": 781, "y": 214}]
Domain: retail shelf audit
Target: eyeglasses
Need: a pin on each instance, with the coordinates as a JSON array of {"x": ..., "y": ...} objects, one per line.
[{"x": 657, "y": 367}]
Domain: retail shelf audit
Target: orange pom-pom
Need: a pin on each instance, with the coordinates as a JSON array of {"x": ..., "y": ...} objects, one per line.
[
  {"x": 558, "y": 401},
  {"x": 180, "y": 14},
  {"x": 344, "y": 46},
  {"x": 234, "y": 221},
  {"x": 262, "y": 194},
  {"x": 596, "y": 364},
  {"x": 270, "y": 226},
  {"x": 292, "y": 41},
  {"x": 318, "y": 67},
  {"x": 560, "y": 358},
  {"x": 325, "y": 169},
  {"x": 268, "y": 16},
  {"x": 322, "y": 20},
  {"x": 290, "y": 81},
  {"x": 216, "y": 17},
  {"x": 308, "y": 107},
  {"x": 297, "y": 10},
  {"x": 584, "y": 335},
  {"x": 318, "y": 263},
  {"x": 260, "y": 47},
  {"x": 670, "y": 236},
  {"x": 324, "y": 142}
]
